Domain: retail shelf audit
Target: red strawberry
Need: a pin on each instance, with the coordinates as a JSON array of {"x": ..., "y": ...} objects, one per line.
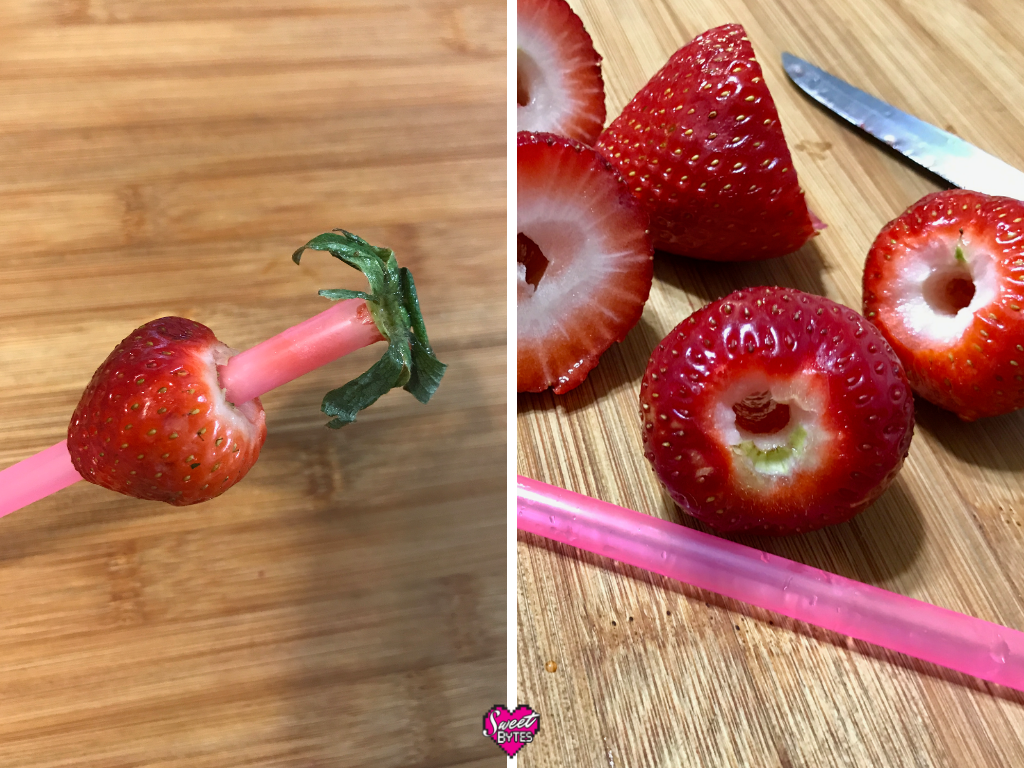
[
  {"x": 558, "y": 77},
  {"x": 945, "y": 284},
  {"x": 702, "y": 147},
  {"x": 153, "y": 422},
  {"x": 775, "y": 411},
  {"x": 585, "y": 261}
]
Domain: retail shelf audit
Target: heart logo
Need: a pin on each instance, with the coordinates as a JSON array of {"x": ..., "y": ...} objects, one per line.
[{"x": 511, "y": 731}]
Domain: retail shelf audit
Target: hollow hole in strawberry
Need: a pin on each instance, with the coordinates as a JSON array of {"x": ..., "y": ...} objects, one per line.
[
  {"x": 948, "y": 291},
  {"x": 527, "y": 76},
  {"x": 773, "y": 424},
  {"x": 759, "y": 414},
  {"x": 522, "y": 94},
  {"x": 531, "y": 258}
]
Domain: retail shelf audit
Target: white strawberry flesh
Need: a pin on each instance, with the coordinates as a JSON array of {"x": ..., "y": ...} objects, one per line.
[{"x": 931, "y": 285}]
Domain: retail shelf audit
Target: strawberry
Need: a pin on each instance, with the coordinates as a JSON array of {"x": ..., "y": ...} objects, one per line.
[
  {"x": 585, "y": 261},
  {"x": 944, "y": 283},
  {"x": 775, "y": 411},
  {"x": 558, "y": 77},
  {"x": 702, "y": 147},
  {"x": 153, "y": 422}
]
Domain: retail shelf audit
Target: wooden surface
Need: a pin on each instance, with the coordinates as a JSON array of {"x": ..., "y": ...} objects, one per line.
[
  {"x": 345, "y": 604},
  {"x": 656, "y": 673}
]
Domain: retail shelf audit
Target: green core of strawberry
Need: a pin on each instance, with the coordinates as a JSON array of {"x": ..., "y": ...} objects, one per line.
[
  {"x": 775, "y": 461},
  {"x": 770, "y": 426},
  {"x": 759, "y": 415}
]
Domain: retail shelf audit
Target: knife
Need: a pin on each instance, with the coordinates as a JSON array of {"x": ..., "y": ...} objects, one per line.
[{"x": 942, "y": 153}]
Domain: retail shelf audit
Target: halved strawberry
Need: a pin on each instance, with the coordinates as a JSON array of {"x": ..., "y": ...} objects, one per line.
[
  {"x": 702, "y": 147},
  {"x": 585, "y": 261},
  {"x": 559, "y": 85},
  {"x": 944, "y": 283},
  {"x": 776, "y": 411},
  {"x": 154, "y": 423}
]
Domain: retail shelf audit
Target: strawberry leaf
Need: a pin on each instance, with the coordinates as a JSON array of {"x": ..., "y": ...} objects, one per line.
[
  {"x": 336, "y": 294},
  {"x": 409, "y": 361},
  {"x": 346, "y": 401},
  {"x": 426, "y": 372}
]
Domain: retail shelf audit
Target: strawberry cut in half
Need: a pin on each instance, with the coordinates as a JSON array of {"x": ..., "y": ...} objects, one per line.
[
  {"x": 585, "y": 262},
  {"x": 944, "y": 283},
  {"x": 775, "y": 411},
  {"x": 153, "y": 422},
  {"x": 558, "y": 75},
  {"x": 702, "y": 147}
]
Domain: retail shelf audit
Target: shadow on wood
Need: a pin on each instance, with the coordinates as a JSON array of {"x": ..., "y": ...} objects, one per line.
[{"x": 993, "y": 443}]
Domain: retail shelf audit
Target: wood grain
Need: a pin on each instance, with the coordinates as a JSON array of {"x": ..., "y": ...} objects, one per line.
[
  {"x": 345, "y": 604},
  {"x": 654, "y": 673}
]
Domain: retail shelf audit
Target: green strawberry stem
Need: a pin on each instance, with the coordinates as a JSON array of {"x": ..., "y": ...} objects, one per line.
[
  {"x": 409, "y": 362},
  {"x": 959, "y": 252}
]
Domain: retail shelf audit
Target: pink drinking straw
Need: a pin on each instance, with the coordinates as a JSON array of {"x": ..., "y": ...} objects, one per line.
[
  {"x": 969, "y": 645},
  {"x": 335, "y": 332},
  {"x": 345, "y": 327}
]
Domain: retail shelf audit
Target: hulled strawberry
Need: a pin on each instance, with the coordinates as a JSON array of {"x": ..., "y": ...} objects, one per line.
[
  {"x": 944, "y": 283},
  {"x": 558, "y": 78},
  {"x": 702, "y": 147},
  {"x": 585, "y": 261},
  {"x": 775, "y": 411},
  {"x": 154, "y": 423}
]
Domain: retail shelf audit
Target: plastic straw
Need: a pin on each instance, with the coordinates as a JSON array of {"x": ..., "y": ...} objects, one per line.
[
  {"x": 344, "y": 328},
  {"x": 36, "y": 477},
  {"x": 963, "y": 643}
]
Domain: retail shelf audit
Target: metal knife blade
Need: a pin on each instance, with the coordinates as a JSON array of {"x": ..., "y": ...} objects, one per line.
[{"x": 952, "y": 158}]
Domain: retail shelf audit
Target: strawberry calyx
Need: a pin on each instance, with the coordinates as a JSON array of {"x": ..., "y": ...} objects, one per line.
[{"x": 409, "y": 361}]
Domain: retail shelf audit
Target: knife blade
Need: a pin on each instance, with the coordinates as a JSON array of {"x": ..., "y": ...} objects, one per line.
[{"x": 942, "y": 153}]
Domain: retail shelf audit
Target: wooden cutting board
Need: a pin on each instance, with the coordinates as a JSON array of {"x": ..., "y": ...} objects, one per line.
[
  {"x": 345, "y": 604},
  {"x": 656, "y": 673}
]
